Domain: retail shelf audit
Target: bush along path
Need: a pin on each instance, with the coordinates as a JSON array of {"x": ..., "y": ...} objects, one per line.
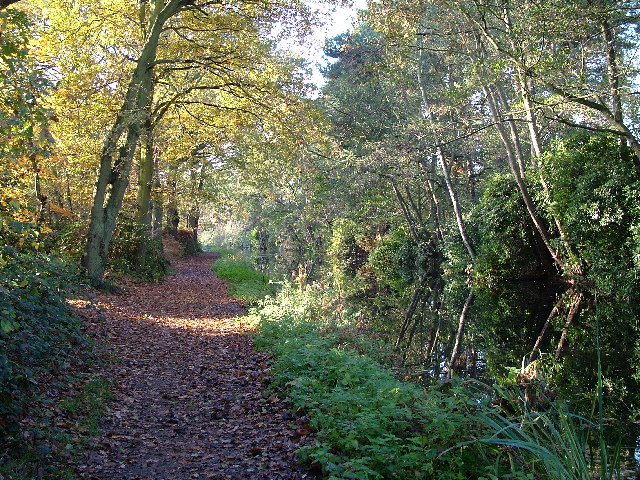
[{"x": 189, "y": 398}]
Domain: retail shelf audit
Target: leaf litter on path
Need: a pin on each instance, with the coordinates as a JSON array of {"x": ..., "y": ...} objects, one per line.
[{"x": 189, "y": 388}]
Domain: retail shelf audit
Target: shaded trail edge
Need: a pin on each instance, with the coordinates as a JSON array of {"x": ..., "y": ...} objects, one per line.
[{"x": 189, "y": 387}]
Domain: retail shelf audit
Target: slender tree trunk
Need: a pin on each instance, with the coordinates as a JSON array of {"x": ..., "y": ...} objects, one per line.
[
  {"x": 173, "y": 219},
  {"x": 411, "y": 309},
  {"x": 536, "y": 148},
  {"x": 193, "y": 215},
  {"x": 524, "y": 190},
  {"x": 412, "y": 333},
  {"x": 416, "y": 207},
  {"x": 434, "y": 331},
  {"x": 513, "y": 129},
  {"x": 471, "y": 181},
  {"x": 456, "y": 205},
  {"x": 157, "y": 208},
  {"x": 595, "y": 101},
  {"x": 575, "y": 305},
  {"x": 37, "y": 187},
  {"x": 145, "y": 177},
  {"x": 431, "y": 341},
  {"x": 436, "y": 213},
  {"x": 405, "y": 212},
  {"x": 532, "y": 125},
  {"x": 555, "y": 312},
  {"x": 193, "y": 221},
  {"x": 462, "y": 322},
  {"x": 157, "y": 215},
  {"x": 612, "y": 70}
]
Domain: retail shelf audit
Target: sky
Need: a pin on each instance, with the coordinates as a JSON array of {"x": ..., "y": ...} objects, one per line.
[{"x": 338, "y": 20}]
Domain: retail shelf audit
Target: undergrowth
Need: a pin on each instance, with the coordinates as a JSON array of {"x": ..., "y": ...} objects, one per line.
[
  {"x": 37, "y": 329},
  {"x": 43, "y": 353},
  {"x": 369, "y": 425},
  {"x": 246, "y": 283},
  {"x": 128, "y": 239}
]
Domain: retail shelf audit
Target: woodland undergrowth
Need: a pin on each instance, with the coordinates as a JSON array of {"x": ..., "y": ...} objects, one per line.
[
  {"x": 370, "y": 425},
  {"x": 50, "y": 402}
]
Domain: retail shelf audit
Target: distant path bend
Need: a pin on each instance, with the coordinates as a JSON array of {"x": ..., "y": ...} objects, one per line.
[{"x": 189, "y": 388}]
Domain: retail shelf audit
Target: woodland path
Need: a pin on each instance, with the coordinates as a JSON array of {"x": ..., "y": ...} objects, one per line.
[{"x": 189, "y": 388}]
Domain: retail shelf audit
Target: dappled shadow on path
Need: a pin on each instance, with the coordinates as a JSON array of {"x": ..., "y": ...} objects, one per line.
[{"x": 189, "y": 388}]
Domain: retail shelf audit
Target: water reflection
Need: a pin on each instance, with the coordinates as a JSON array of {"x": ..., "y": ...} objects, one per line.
[{"x": 636, "y": 474}]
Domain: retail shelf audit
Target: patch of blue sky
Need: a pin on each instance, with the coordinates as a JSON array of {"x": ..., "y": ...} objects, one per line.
[{"x": 334, "y": 21}]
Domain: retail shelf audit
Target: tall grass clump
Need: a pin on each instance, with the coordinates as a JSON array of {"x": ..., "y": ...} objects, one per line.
[
  {"x": 553, "y": 444},
  {"x": 550, "y": 444}
]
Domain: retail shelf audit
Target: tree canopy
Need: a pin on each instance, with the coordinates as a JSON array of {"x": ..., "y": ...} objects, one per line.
[{"x": 466, "y": 179}]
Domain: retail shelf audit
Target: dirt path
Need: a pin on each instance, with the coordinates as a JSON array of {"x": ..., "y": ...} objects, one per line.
[{"x": 189, "y": 388}]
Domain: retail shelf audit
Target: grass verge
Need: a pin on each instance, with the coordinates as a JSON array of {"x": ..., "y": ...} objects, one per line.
[{"x": 246, "y": 283}]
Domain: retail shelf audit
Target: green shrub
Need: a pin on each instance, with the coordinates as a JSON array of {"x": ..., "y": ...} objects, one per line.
[
  {"x": 345, "y": 256},
  {"x": 369, "y": 425},
  {"x": 37, "y": 330},
  {"x": 70, "y": 240},
  {"x": 387, "y": 260},
  {"x": 399, "y": 261},
  {"x": 123, "y": 254}
]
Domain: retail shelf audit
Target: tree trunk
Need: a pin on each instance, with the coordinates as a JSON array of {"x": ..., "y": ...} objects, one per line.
[
  {"x": 435, "y": 305},
  {"x": 145, "y": 179},
  {"x": 555, "y": 312},
  {"x": 405, "y": 212},
  {"x": 457, "y": 347},
  {"x": 157, "y": 215},
  {"x": 117, "y": 155},
  {"x": 612, "y": 70},
  {"x": 37, "y": 187},
  {"x": 436, "y": 212},
  {"x": 515, "y": 135},
  {"x": 534, "y": 134},
  {"x": 522, "y": 187},
  {"x": 412, "y": 332},
  {"x": 456, "y": 206},
  {"x": 575, "y": 305},
  {"x": 193, "y": 220},
  {"x": 411, "y": 309},
  {"x": 536, "y": 148},
  {"x": 173, "y": 219}
]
